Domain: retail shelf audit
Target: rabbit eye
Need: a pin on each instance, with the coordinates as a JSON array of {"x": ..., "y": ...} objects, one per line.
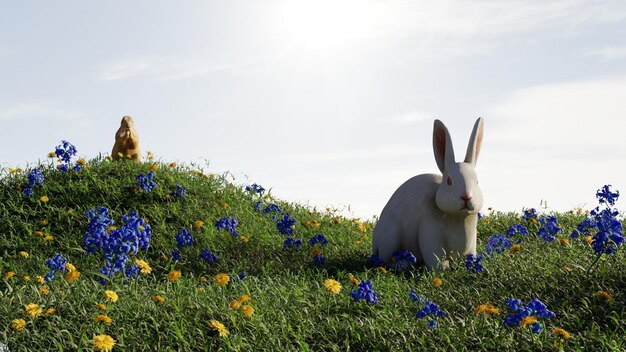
[{"x": 449, "y": 181}]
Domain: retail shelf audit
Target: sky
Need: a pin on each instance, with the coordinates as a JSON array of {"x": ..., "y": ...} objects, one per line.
[{"x": 329, "y": 103}]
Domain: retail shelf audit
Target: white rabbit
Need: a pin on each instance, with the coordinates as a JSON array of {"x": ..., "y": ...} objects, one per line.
[{"x": 435, "y": 216}]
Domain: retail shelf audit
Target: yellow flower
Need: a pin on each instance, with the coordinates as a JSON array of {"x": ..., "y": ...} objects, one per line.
[
  {"x": 604, "y": 295},
  {"x": 437, "y": 282},
  {"x": 101, "y": 306},
  {"x": 40, "y": 279},
  {"x": 143, "y": 266},
  {"x": 158, "y": 299},
  {"x": 81, "y": 161},
  {"x": 336, "y": 220},
  {"x": 70, "y": 267},
  {"x": 219, "y": 327},
  {"x": 224, "y": 205},
  {"x": 103, "y": 318},
  {"x": 332, "y": 286},
  {"x": 201, "y": 289},
  {"x": 43, "y": 222},
  {"x": 243, "y": 298},
  {"x": 109, "y": 158},
  {"x": 198, "y": 224},
  {"x": 24, "y": 254},
  {"x": 51, "y": 311},
  {"x": 247, "y": 311},
  {"x": 315, "y": 251},
  {"x": 173, "y": 276},
  {"x": 527, "y": 321},
  {"x": 588, "y": 239},
  {"x": 562, "y": 333},
  {"x": 221, "y": 279},
  {"x": 18, "y": 324},
  {"x": 234, "y": 304},
  {"x": 111, "y": 296},
  {"x": 26, "y": 278},
  {"x": 487, "y": 308},
  {"x": 204, "y": 278},
  {"x": 563, "y": 241},
  {"x": 244, "y": 238},
  {"x": 382, "y": 269},
  {"x": 154, "y": 167},
  {"x": 33, "y": 310},
  {"x": 72, "y": 275},
  {"x": 48, "y": 238},
  {"x": 52, "y": 155},
  {"x": 111, "y": 228},
  {"x": 8, "y": 275},
  {"x": 514, "y": 249},
  {"x": 44, "y": 290},
  {"x": 44, "y": 199},
  {"x": 103, "y": 343},
  {"x": 353, "y": 279}
]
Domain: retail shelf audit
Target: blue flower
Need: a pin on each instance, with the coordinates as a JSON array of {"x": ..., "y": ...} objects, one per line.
[
  {"x": 180, "y": 192},
  {"x": 272, "y": 208},
  {"x": 176, "y": 255},
  {"x": 415, "y": 298},
  {"x": 474, "y": 263},
  {"x": 432, "y": 324},
  {"x": 584, "y": 228},
  {"x": 365, "y": 292},
  {"x": 65, "y": 151},
  {"x": 34, "y": 177},
  {"x": 240, "y": 277},
  {"x": 57, "y": 263},
  {"x": 286, "y": 224},
  {"x": 318, "y": 238},
  {"x": 430, "y": 308},
  {"x": 404, "y": 259},
  {"x": 291, "y": 243},
  {"x": 513, "y": 304},
  {"x": 605, "y": 195},
  {"x": 319, "y": 259},
  {"x": 517, "y": 229},
  {"x": 530, "y": 214},
  {"x": 518, "y": 312},
  {"x": 146, "y": 182},
  {"x": 549, "y": 229},
  {"x": 254, "y": 188},
  {"x": 228, "y": 223},
  {"x": 257, "y": 206},
  {"x": 131, "y": 271},
  {"x": 498, "y": 244},
  {"x": 184, "y": 238},
  {"x": 208, "y": 256},
  {"x": 375, "y": 260}
]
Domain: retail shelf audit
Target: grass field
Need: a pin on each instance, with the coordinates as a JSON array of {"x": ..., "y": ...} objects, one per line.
[{"x": 284, "y": 302}]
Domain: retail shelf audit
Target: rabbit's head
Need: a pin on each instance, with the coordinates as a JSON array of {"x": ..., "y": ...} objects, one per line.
[{"x": 459, "y": 192}]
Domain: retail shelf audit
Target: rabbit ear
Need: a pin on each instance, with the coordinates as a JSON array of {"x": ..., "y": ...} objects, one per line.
[
  {"x": 442, "y": 145},
  {"x": 475, "y": 141}
]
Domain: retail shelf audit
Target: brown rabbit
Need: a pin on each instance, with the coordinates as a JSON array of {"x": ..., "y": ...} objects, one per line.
[{"x": 126, "y": 141}]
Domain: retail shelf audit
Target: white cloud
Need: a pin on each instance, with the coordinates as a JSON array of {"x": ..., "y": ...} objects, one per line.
[
  {"x": 160, "y": 68},
  {"x": 610, "y": 52},
  {"x": 41, "y": 110}
]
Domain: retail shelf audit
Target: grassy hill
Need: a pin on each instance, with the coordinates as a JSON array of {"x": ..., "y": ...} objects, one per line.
[{"x": 291, "y": 306}]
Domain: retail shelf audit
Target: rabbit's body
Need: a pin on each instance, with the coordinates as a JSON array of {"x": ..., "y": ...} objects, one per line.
[{"x": 431, "y": 217}]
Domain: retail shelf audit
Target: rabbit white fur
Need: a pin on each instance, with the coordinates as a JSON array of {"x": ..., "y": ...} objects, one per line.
[{"x": 435, "y": 216}]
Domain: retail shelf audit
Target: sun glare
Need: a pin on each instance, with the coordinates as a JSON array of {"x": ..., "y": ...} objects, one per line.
[{"x": 326, "y": 28}]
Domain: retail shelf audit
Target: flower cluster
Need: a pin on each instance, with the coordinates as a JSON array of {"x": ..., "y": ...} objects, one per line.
[
  {"x": 474, "y": 263},
  {"x": 609, "y": 233},
  {"x": 228, "y": 223},
  {"x": 272, "y": 208},
  {"x": 180, "y": 192},
  {"x": 404, "y": 259},
  {"x": 116, "y": 244},
  {"x": 35, "y": 177},
  {"x": 365, "y": 292},
  {"x": 318, "y": 242},
  {"x": 428, "y": 309},
  {"x": 65, "y": 151},
  {"x": 184, "y": 238},
  {"x": 292, "y": 243},
  {"x": 530, "y": 215},
  {"x": 57, "y": 263},
  {"x": 254, "y": 188},
  {"x": 208, "y": 256},
  {"x": 146, "y": 182},
  {"x": 286, "y": 224},
  {"x": 605, "y": 196},
  {"x": 497, "y": 244},
  {"x": 523, "y": 315},
  {"x": 516, "y": 230},
  {"x": 549, "y": 228}
]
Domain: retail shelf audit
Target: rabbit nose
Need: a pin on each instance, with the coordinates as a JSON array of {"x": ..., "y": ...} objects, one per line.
[{"x": 466, "y": 197}]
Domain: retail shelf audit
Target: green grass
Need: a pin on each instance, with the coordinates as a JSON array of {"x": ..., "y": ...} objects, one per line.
[{"x": 292, "y": 309}]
